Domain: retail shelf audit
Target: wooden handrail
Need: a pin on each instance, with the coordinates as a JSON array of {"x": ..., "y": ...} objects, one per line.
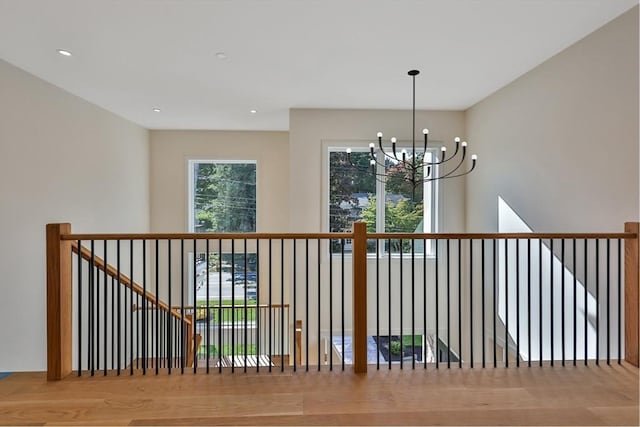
[
  {"x": 464, "y": 236},
  {"x": 204, "y": 236},
  {"x": 126, "y": 281},
  {"x": 300, "y": 236}
]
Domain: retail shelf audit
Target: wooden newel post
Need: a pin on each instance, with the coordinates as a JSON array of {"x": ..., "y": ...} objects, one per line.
[
  {"x": 359, "y": 297},
  {"x": 631, "y": 302},
  {"x": 59, "y": 296}
]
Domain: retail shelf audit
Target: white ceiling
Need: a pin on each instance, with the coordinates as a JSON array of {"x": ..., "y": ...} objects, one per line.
[{"x": 132, "y": 55}]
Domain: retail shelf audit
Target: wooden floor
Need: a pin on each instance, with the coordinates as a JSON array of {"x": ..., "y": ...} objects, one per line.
[{"x": 493, "y": 396}]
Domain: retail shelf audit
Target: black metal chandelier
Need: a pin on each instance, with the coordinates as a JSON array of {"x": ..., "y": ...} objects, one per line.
[{"x": 415, "y": 167}]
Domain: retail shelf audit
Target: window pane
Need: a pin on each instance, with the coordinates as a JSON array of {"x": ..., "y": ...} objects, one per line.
[
  {"x": 224, "y": 197},
  {"x": 404, "y": 205},
  {"x": 351, "y": 194}
]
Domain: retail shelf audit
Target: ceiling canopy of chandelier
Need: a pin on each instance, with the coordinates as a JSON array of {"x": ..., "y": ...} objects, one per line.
[{"x": 416, "y": 167}]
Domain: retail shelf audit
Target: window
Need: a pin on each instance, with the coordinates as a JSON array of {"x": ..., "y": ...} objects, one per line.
[
  {"x": 386, "y": 204},
  {"x": 222, "y": 198}
]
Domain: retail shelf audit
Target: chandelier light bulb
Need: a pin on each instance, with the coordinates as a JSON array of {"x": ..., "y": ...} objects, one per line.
[
  {"x": 371, "y": 145},
  {"x": 348, "y": 150},
  {"x": 372, "y": 162},
  {"x": 393, "y": 139},
  {"x": 444, "y": 149},
  {"x": 379, "y": 134},
  {"x": 464, "y": 144},
  {"x": 403, "y": 152},
  {"x": 425, "y": 131},
  {"x": 474, "y": 157},
  {"x": 456, "y": 139}
]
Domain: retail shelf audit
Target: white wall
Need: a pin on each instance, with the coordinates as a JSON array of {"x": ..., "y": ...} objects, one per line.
[
  {"x": 313, "y": 130},
  {"x": 560, "y": 143},
  {"x": 62, "y": 159},
  {"x": 171, "y": 150}
]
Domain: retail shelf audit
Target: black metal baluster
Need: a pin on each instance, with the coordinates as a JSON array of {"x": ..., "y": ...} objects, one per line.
[
  {"x": 562, "y": 297},
  {"x": 130, "y": 309},
  {"x": 258, "y": 313},
  {"x": 281, "y": 305},
  {"x": 529, "y": 302},
  {"x": 306, "y": 305},
  {"x": 619, "y": 301},
  {"x": 113, "y": 324},
  {"x": 495, "y": 299},
  {"x": 551, "y": 307},
  {"x": 182, "y": 326},
  {"x": 144, "y": 331},
  {"x": 401, "y": 309},
  {"x": 424, "y": 302},
  {"x": 245, "y": 306},
  {"x": 295, "y": 261},
  {"x": 195, "y": 308},
  {"x": 597, "y": 302},
  {"x": 91, "y": 279},
  {"x": 157, "y": 321},
  {"x": 413, "y": 303},
  {"x": 119, "y": 284},
  {"x": 378, "y": 302},
  {"x": 470, "y": 302},
  {"x": 389, "y": 312},
  {"x": 506, "y": 302},
  {"x": 459, "y": 303},
  {"x": 342, "y": 297},
  {"x": 79, "y": 307},
  {"x": 219, "y": 311},
  {"x": 575, "y": 304},
  {"x": 319, "y": 305},
  {"x": 484, "y": 340},
  {"x": 97, "y": 320},
  {"x": 437, "y": 341},
  {"x": 586, "y": 307},
  {"x": 331, "y": 307},
  {"x": 207, "y": 306},
  {"x": 517, "y": 303},
  {"x": 169, "y": 317},
  {"x": 448, "y": 306},
  {"x": 106, "y": 305},
  {"x": 270, "y": 327},
  {"x": 608, "y": 301},
  {"x": 540, "y": 299}
]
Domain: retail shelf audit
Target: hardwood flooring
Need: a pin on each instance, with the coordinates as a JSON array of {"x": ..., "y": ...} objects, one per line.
[{"x": 493, "y": 396}]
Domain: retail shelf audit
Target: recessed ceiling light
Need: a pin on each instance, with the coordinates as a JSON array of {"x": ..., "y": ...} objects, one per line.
[
  {"x": 64, "y": 52},
  {"x": 156, "y": 110},
  {"x": 221, "y": 55},
  {"x": 253, "y": 111}
]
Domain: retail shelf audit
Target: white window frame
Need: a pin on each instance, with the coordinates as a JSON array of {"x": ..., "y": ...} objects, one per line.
[
  {"x": 191, "y": 187},
  {"x": 431, "y": 219}
]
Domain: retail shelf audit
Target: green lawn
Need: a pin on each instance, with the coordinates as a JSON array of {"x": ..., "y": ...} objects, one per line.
[{"x": 228, "y": 313}]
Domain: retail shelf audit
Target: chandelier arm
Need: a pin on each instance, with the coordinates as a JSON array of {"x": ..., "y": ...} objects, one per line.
[
  {"x": 385, "y": 153},
  {"x": 452, "y": 176},
  {"x": 464, "y": 153}
]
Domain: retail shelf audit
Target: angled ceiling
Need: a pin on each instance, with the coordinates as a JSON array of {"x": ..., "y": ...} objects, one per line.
[{"x": 130, "y": 56}]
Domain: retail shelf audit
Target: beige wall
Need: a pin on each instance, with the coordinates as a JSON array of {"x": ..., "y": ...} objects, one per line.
[
  {"x": 171, "y": 150},
  {"x": 312, "y": 131},
  {"x": 560, "y": 144},
  {"x": 62, "y": 159}
]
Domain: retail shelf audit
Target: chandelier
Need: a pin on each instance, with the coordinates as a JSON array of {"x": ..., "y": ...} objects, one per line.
[{"x": 416, "y": 167}]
